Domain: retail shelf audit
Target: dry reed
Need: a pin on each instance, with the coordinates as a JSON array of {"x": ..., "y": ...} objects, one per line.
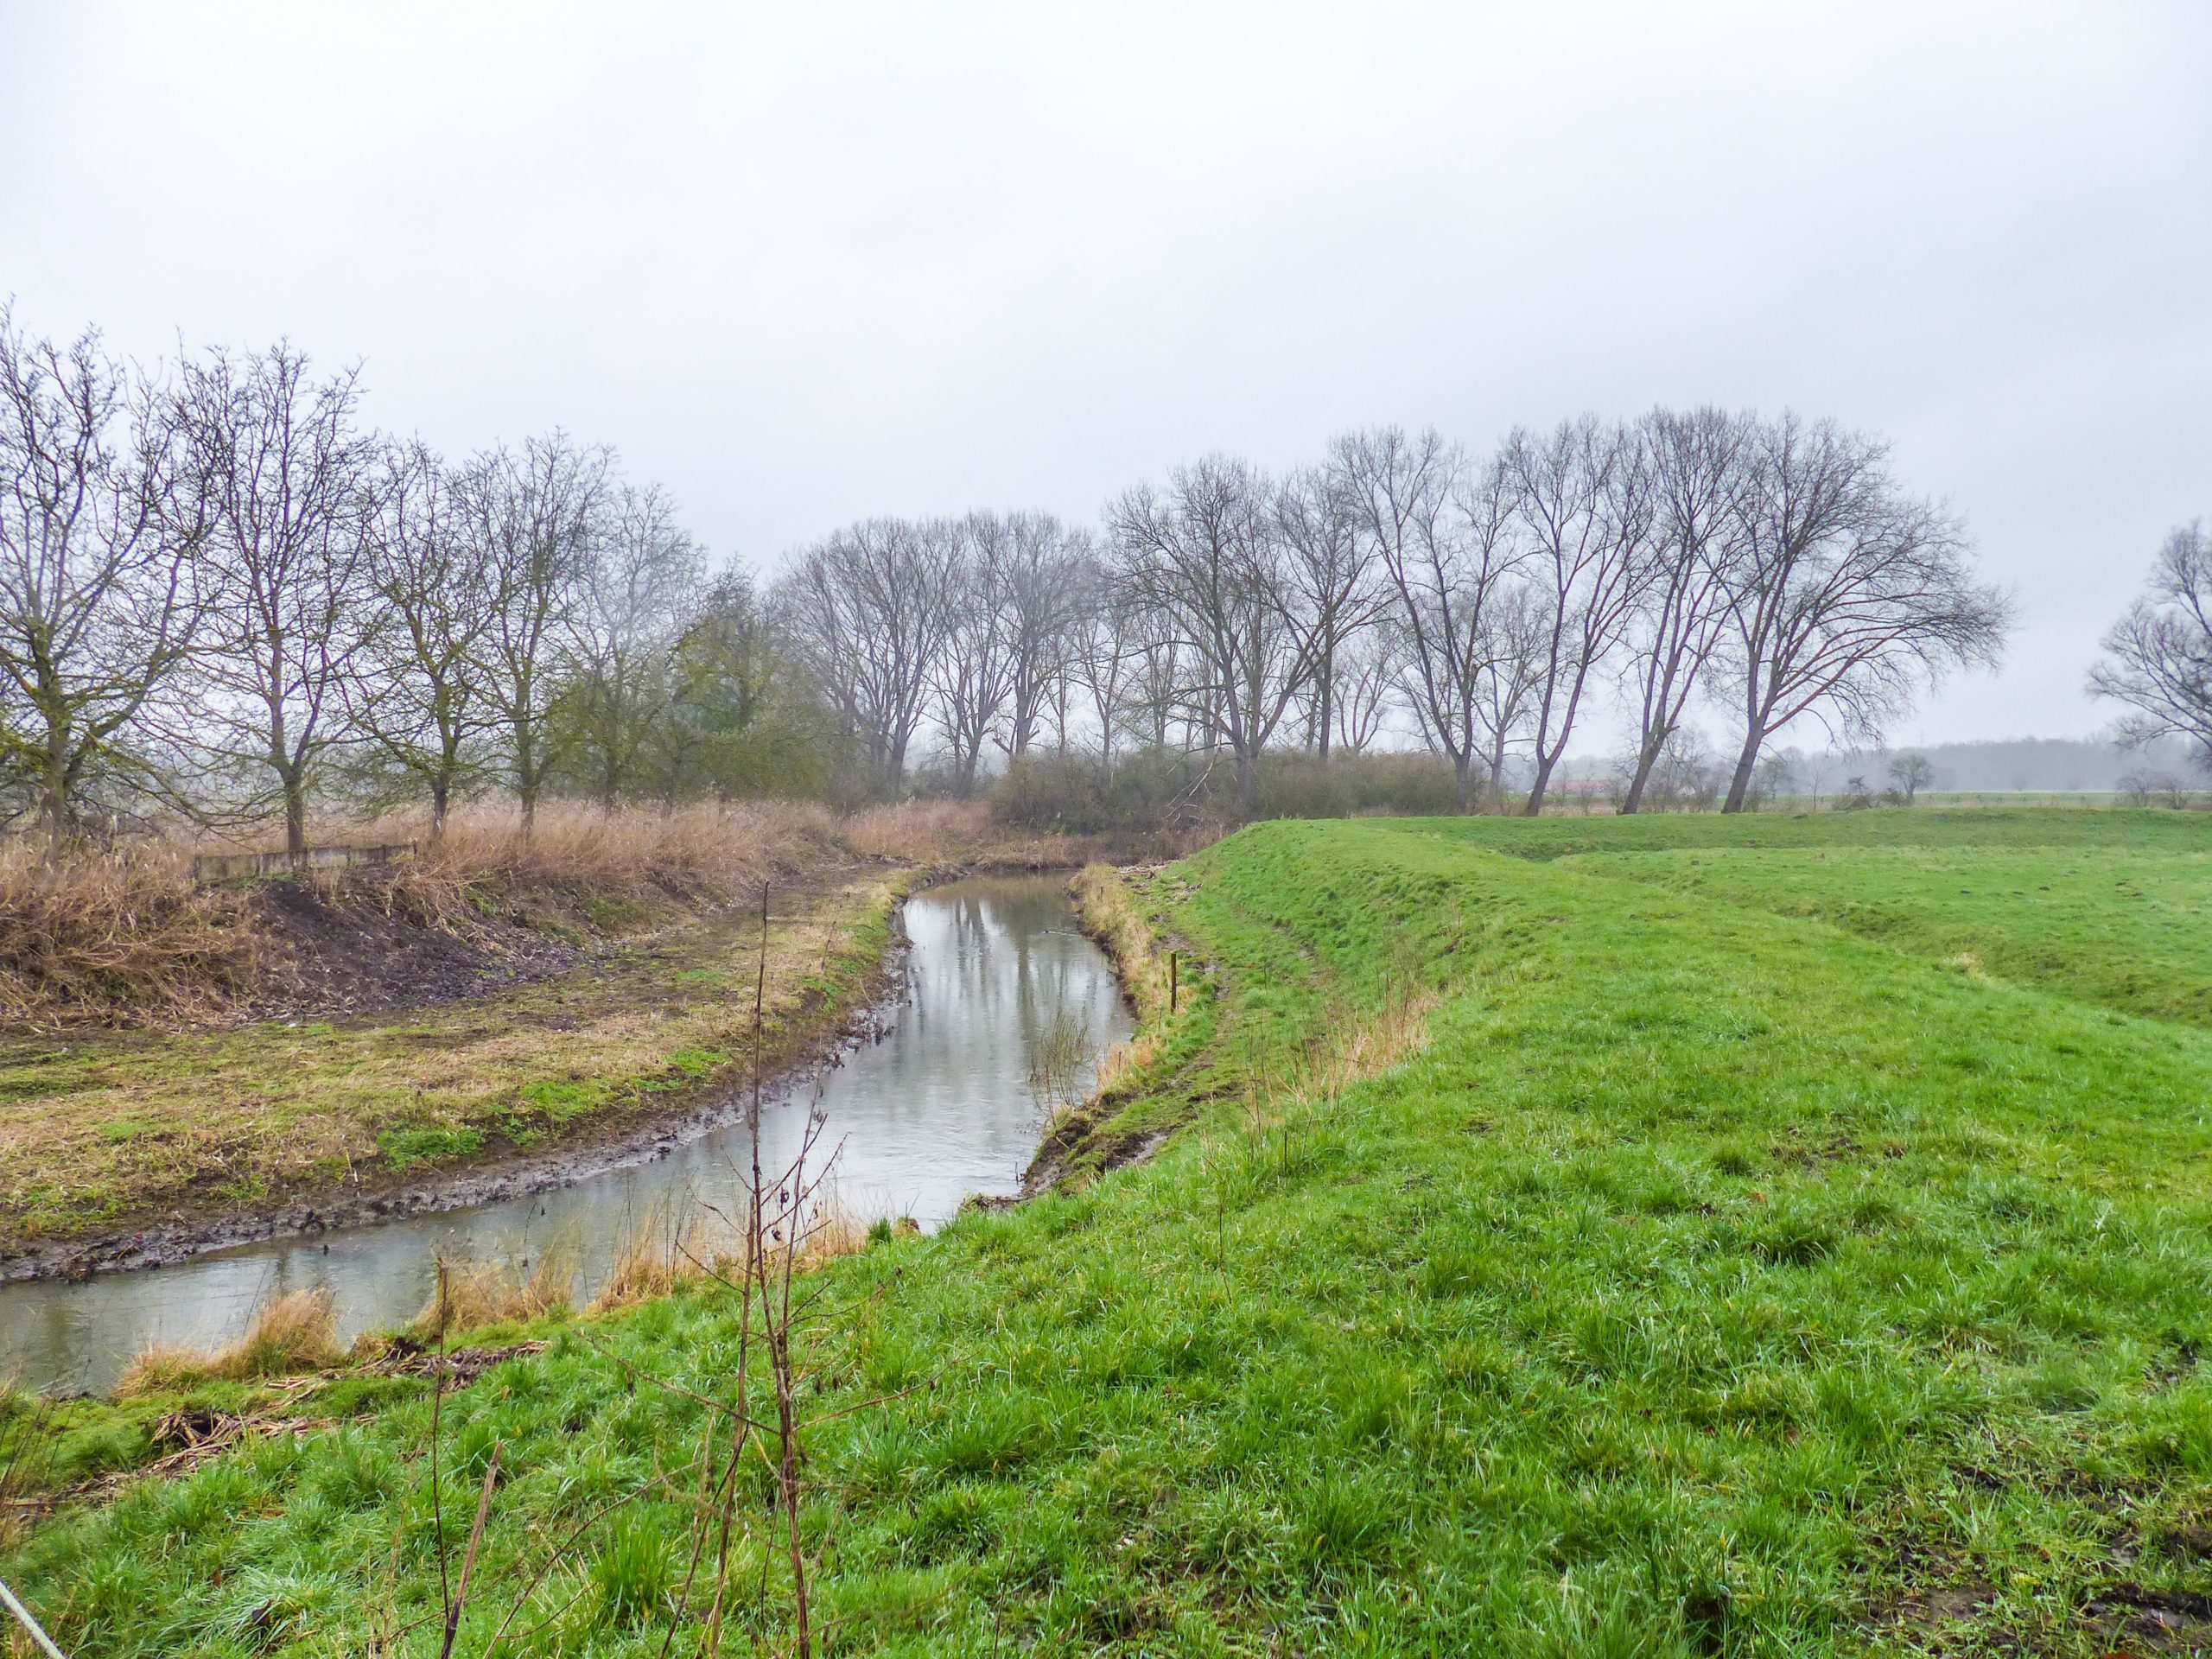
[
  {"x": 470, "y": 1294},
  {"x": 660, "y": 1253},
  {"x": 294, "y": 1332},
  {"x": 919, "y": 832},
  {"x": 127, "y": 936},
  {"x": 718, "y": 853},
  {"x": 117, "y": 933}
]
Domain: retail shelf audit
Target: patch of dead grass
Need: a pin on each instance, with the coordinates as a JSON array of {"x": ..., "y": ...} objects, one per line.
[
  {"x": 472, "y": 1294},
  {"x": 294, "y": 1332}
]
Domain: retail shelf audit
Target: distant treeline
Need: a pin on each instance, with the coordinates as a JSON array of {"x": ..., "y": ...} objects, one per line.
[
  {"x": 1485, "y": 601},
  {"x": 2059, "y": 765}
]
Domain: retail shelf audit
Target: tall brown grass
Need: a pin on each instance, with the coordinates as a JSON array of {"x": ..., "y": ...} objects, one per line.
[
  {"x": 117, "y": 932},
  {"x": 663, "y": 1251},
  {"x": 295, "y": 1333},
  {"x": 707, "y": 851},
  {"x": 921, "y": 832},
  {"x": 126, "y": 935},
  {"x": 471, "y": 1294}
]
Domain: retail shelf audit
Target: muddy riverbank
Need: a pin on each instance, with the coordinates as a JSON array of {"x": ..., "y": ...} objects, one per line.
[
  {"x": 132, "y": 1151},
  {"x": 991, "y": 1016}
]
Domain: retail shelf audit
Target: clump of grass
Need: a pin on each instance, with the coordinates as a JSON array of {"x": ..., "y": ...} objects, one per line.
[
  {"x": 1057, "y": 1061},
  {"x": 656, "y": 1254},
  {"x": 1357, "y": 1046},
  {"x": 663, "y": 1251},
  {"x": 26, "y": 1459},
  {"x": 1112, "y": 913},
  {"x": 294, "y": 1332},
  {"x": 1123, "y": 1063},
  {"x": 474, "y": 1293}
]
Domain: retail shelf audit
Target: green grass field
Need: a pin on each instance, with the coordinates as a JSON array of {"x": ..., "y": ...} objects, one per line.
[{"x": 1791, "y": 1237}]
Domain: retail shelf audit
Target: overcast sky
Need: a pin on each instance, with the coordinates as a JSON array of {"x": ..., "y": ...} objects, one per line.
[{"x": 807, "y": 262}]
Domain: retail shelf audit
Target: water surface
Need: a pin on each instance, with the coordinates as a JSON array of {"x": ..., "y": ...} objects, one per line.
[{"x": 944, "y": 1104}]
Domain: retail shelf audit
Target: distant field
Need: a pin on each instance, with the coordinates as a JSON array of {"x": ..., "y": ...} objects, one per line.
[
  {"x": 2129, "y": 929},
  {"x": 2142, "y": 829},
  {"x": 2113, "y": 907},
  {"x": 1659, "y": 1241},
  {"x": 2102, "y": 797}
]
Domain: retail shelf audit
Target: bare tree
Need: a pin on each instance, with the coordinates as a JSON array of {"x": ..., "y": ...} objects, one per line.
[
  {"x": 973, "y": 676},
  {"x": 1515, "y": 651},
  {"x": 1849, "y": 595},
  {"x": 1043, "y": 586},
  {"x": 872, "y": 608},
  {"x": 1444, "y": 546},
  {"x": 640, "y": 590},
  {"x": 1159, "y": 686},
  {"x": 417, "y": 689},
  {"x": 2159, "y": 655},
  {"x": 536, "y": 517},
  {"x": 1911, "y": 773},
  {"x": 1331, "y": 568},
  {"x": 1107, "y": 646},
  {"x": 1204, "y": 554},
  {"x": 1695, "y": 474},
  {"x": 1367, "y": 673},
  {"x": 1583, "y": 497},
  {"x": 97, "y": 610},
  {"x": 287, "y": 474}
]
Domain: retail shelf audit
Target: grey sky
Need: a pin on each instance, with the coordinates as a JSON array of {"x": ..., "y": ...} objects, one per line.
[{"x": 807, "y": 262}]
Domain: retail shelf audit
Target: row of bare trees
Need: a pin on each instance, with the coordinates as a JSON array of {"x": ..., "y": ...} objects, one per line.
[
  {"x": 219, "y": 590},
  {"x": 1484, "y": 602}
]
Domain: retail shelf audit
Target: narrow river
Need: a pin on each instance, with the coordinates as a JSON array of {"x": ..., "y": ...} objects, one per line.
[{"x": 1004, "y": 999}]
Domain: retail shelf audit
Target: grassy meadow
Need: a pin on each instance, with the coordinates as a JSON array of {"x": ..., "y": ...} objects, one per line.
[{"x": 1773, "y": 1236}]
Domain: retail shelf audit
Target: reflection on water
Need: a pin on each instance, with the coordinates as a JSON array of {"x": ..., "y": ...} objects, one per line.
[{"x": 943, "y": 1106}]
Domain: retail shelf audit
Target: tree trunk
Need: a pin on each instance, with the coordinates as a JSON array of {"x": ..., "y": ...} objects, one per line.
[
  {"x": 1534, "y": 806},
  {"x": 1248, "y": 785},
  {"x": 441, "y": 790},
  {"x": 1740, "y": 786},
  {"x": 1646, "y": 759},
  {"x": 1463, "y": 780},
  {"x": 296, "y": 816},
  {"x": 53, "y": 809},
  {"x": 526, "y": 774}
]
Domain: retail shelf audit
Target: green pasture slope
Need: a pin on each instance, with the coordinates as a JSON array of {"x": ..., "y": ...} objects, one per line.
[{"x": 1735, "y": 1271}]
